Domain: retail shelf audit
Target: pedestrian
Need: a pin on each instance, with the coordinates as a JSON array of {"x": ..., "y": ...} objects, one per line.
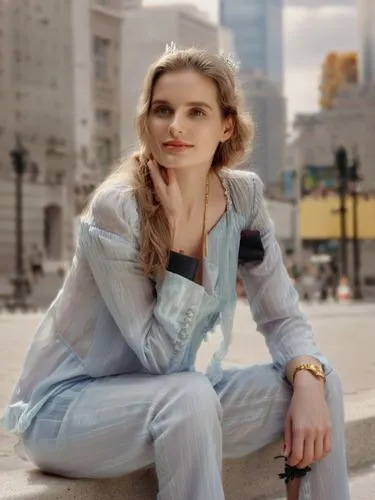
[
  {"x": 334, "y": 277},
  {"x": 109, "y": 384},
  {"x": 323, "y": 277},
  {"x": 307, "y": 284},
  {"x": 36, "y": 263}
]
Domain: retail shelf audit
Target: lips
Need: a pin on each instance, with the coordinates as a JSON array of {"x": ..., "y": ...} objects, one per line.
[{"x": 177, "y": 144}]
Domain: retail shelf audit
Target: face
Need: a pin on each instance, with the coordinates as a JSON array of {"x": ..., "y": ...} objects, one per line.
[{"x": 185, "y": 121}]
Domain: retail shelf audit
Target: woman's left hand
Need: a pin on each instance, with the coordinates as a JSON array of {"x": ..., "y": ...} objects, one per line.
[{"x": 307, "y": 433}]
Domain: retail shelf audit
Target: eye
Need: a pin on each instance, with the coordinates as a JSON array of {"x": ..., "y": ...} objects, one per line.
[
  {"x": 198, "y": 112},
  {"x": 162, "y": 110}
]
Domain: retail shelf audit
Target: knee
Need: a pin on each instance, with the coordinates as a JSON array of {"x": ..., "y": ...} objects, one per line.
[{"x": 193, "y": 396}]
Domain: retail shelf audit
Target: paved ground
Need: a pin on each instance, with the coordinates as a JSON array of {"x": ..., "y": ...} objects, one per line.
[
  {"x": 346, "y": 334},
  {"x": 362, "y": 487}
]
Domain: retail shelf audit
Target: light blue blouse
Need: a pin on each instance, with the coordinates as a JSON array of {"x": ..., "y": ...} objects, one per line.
[{"x": 110, "y": 319}]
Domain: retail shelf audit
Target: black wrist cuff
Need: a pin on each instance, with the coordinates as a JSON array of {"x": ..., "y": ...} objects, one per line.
[{"x": 183, "y": 265}]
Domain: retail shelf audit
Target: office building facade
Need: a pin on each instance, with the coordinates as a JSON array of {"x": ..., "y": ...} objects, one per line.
[
  {"x": 257, "y": 27},
  {"x": 366, "y": 17}
]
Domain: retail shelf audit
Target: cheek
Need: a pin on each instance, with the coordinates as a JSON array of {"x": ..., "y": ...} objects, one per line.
[
  {"x": 209, "y": 136},
  {"x": 157, "y": 126}
]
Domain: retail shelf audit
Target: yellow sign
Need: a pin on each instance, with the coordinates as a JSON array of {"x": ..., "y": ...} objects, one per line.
[{"x": 320, "y": 218}]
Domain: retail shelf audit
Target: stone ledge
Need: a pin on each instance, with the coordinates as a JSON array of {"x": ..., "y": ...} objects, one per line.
[{"x": 253, "y": 477}]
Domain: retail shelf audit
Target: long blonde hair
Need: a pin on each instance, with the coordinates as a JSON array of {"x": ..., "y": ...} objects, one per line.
[{"x": 155, "y": 235}]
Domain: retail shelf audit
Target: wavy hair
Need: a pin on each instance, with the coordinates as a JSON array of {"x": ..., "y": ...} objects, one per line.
[{"x": 155, "y": 234}]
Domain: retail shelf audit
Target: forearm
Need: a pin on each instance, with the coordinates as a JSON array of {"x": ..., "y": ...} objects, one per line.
[{"x": 156, "y": 321}]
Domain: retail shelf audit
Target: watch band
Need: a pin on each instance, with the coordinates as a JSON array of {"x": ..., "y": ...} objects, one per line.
[{"x": 315, "y": 369}]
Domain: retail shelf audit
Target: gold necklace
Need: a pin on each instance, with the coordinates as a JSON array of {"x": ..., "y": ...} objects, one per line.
[{"x": 205, "y": 232}]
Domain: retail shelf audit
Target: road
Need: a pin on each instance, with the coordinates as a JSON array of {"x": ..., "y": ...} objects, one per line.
[{"x": 345, "y": 333}]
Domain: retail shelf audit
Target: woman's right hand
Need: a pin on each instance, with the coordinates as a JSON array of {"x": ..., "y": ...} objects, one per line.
[{"x": 168, "y": 192}]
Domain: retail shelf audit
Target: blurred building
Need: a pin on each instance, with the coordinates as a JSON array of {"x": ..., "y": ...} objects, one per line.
[
  {"x": 257, "y": 28},
  {"x": 339, "y": 72},
  {"x": 226, "y": 42},
  {"x": 350, "y": 123},
  {"x": 60, "y": 90},
  {"x": 320, "y": 230},
  {"x": 366, "y": 16},
  {"x": 258, "y": 33},
  {"x": 146, "y": 33},
  {"x": 346, "y": 118},
  {"x": 282, "y": 214},
  {"x": 268, "y": 109}
]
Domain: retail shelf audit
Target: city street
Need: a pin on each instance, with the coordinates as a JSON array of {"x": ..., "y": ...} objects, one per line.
[{"x": 344, "y": 332}]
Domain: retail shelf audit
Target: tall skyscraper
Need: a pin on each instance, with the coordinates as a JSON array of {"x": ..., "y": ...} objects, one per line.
[
  {"x": 267, "y": 107},
  {"x": 258, "y": 39},
  {"x": 258, "y": 34},
  {"x": 366, "y": 16}
]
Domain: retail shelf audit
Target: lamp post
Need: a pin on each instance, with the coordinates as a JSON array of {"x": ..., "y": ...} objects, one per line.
[
  {"x": 20, "y": 281},
  {"x": 341, "y": 162},
  {"x": 355, "y": 178}
]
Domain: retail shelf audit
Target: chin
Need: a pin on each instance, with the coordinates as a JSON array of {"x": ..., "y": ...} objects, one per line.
[{"x": 176, "y": 161}]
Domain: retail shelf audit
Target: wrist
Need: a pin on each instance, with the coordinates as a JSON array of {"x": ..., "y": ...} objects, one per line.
[
  {"x": 173, "y": 225},
  {"x": 304, "y": 379},
  {"x": 299, "y": 363}
]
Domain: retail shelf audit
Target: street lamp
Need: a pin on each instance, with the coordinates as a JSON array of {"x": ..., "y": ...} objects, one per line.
[
  {"x": 20, "y": 281},
  {"x": 341, "y": 162},
  {"x": 355, "y": 179}
]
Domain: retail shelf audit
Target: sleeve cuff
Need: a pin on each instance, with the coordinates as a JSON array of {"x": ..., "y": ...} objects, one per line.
[{"x": 183, "y": 265}]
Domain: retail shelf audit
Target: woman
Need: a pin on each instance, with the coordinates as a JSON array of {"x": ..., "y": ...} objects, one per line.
[{"x": 109, "y": 383}]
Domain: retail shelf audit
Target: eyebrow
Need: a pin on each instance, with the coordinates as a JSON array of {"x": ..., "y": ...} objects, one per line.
[{"x": 200, "y": 104}]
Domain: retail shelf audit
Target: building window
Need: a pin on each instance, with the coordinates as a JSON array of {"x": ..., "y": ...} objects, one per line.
[
  {"x": 104, "y": 153},
  {"x": 103, "y": 117},
  {"x": 101, "y": 57}
]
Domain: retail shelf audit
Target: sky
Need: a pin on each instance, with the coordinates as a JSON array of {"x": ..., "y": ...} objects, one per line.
[{"x": 312, "y": 28}]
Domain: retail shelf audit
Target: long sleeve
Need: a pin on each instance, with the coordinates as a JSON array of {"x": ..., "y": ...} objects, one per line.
[
  {"x": 156, "y": 321},
  {"x": 273, "y": 300}
]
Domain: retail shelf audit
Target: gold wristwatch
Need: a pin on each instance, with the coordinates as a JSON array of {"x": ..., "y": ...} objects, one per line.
[{"x": 315, "y": 369}]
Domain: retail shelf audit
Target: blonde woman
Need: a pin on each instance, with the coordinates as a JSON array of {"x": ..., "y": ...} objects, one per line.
[{"x": 109, "y": 384}]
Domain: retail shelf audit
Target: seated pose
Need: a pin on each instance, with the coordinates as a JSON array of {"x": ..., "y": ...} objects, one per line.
[{"x": 109, "y": 384}]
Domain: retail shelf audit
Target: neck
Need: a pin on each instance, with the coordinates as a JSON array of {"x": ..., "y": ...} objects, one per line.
[{"x": 192, "y": 186}]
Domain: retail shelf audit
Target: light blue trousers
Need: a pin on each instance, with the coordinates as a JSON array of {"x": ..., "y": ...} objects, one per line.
[{"x": 181, "y": 424}]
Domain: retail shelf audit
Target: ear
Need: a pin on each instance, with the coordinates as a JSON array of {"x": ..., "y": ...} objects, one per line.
[{"x": 228, "y": 128}]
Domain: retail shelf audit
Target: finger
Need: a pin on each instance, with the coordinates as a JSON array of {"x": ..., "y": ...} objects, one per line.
[
  {"x": 308, "y": 452},
  {"x": 165, "y": 175},
  {"x": 319, "y": 448},
  {"x": 287, "y": 437},
  {"x": 296, "y": 453},
  {"x": 172, "y": 179},
  {"x": 155, "y": 174},
  {"x": 327, "y": 443}
]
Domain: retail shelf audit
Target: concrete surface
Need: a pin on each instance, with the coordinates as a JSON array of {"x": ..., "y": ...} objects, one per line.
[
  {"x": 346, "y": 336},
  {"x": 362, "y": 486},
  {"x": 253, "y": 477}
]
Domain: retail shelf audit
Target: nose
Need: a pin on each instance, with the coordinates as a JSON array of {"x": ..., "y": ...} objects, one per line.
[{"x": 176, "y": 126}]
